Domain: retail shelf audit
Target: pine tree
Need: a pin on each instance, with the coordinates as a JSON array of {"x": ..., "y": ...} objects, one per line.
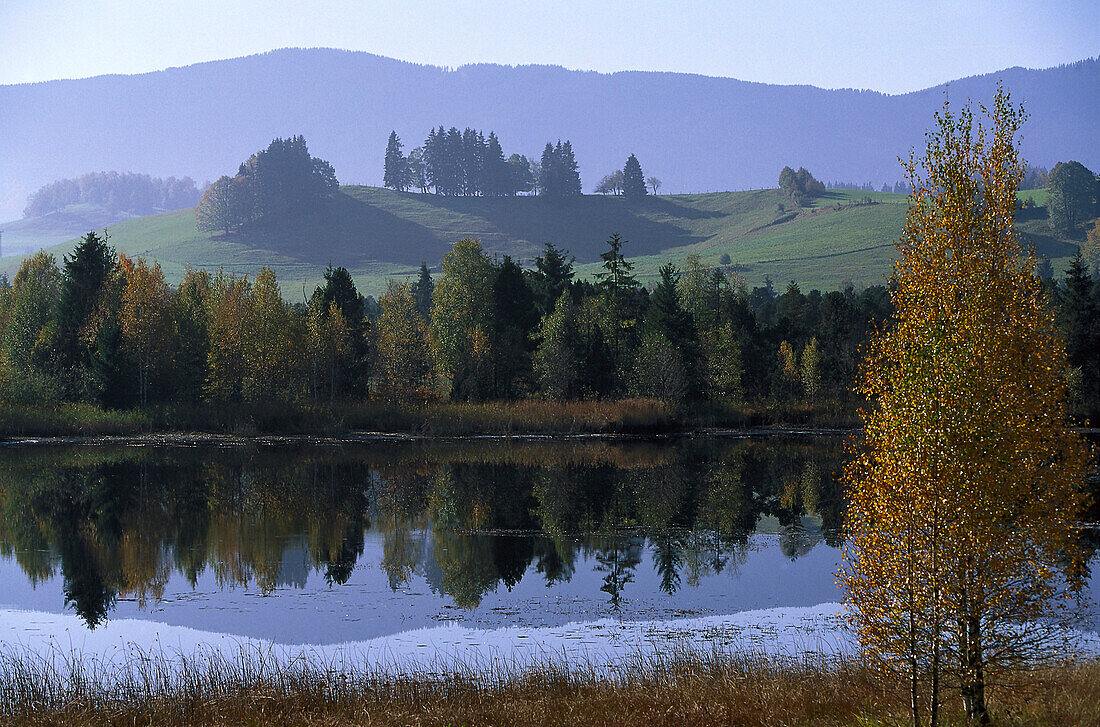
[{"x": 633, "y": 179}]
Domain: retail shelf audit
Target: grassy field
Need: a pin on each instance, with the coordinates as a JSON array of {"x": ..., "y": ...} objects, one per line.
[
  {"x": 687, "y": 691},
  {"x": 379, "y": 234}
]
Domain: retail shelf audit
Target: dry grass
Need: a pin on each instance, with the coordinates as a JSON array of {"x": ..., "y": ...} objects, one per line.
[{"x": 714, "y": 690}]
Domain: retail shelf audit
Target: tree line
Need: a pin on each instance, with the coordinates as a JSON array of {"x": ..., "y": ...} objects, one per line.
[
  {"x": 128, "y": 193},
  {"x": 110, "y": 330},
  {"x": 272, "y": 184}
]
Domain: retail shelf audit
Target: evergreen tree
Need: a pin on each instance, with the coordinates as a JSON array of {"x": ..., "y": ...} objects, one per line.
[
  {"x": 422, "y": 292},
  {"x": 616, "y": 278},
  {"x": 514, "y": 317},
  {"x": 549, "y": 173},
  {"x": 495, "y": 170},
  {"x": 84, "y": 274},
  {"x": 396, "y": 172},
  {"x": 553, "y": 275},
  {"x": 570, "y": 175},
  {"x": 557, "y": 358},
  {"x": 633, "y": 179},
  {"x": 667, "y": 317}
]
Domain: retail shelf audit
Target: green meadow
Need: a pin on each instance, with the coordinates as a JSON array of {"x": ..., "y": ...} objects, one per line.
[{"x": 378, "y": 234}]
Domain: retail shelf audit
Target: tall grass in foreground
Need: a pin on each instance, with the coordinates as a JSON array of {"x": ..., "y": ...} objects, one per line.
[{"x": 683, "y": 689}]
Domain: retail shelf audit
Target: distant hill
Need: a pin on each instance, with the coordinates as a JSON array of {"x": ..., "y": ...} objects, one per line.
[
  {"x": 696, "y": 133},
  {"x": 377, "y": 233}
]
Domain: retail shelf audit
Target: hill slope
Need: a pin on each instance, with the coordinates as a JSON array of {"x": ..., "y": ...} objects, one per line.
[
  {"x": 694, "y": 132},
  {"x": 377, "y": 233}
]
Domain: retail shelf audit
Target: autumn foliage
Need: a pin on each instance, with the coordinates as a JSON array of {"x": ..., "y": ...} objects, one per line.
[{"x": 961, "y": 550}]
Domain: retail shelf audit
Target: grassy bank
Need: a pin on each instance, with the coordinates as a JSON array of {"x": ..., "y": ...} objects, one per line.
[
  {"x": 687, "y": 691},
  {"x": 627, "y": 416}
]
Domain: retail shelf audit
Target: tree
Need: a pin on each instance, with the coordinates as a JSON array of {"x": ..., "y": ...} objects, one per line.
[
  {"x": 514, "y": 317},
  {"x": 145, "y": 320},
  {"x": 461, "y": 310},
  {"x": 191, "y": 322},
  {"x": 556, "y": 360},
  {"x": 226, "y": 205},
  {"x": 84, "y": 273},
  {"x": 422, "y": 292},
  {"x": 230, "y": 319},
  {"x": 30, "y": 307},
  {"x": 811, "y": 369},
  {"x": 668, "y": 318},
  {"x": 1071, "y": 195},
  {"x": 966, "y": 493},
  {"x": 553, "y": 275},
  {"x": 268, "y": 357},
  {"x": 417, "y": 177},
  {"x": 404, "y": 353},
  {"x": 395, "y": 174},
  {"x": 653, "y": 183},
  {"x": 633, "y": 179},
  {"x": 611, "y": 183}
]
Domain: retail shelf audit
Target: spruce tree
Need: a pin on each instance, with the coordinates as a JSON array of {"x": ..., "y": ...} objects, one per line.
[
  {"x": 396, "y": 173},
  {"x": 633, "y": 179},
  {"x": 422, "y": 292},
  {"x": 84, "y": 274},
  {"x": 553, "y": 275},
  {"x": 549, "y": 185},
  {"x": 570, "y": 176}
]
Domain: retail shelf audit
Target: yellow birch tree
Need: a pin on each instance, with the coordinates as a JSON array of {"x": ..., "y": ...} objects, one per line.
[{"x": 965, "y": 494}]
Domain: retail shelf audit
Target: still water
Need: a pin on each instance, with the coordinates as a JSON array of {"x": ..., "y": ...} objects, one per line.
[{"x": 325, "y": 543}]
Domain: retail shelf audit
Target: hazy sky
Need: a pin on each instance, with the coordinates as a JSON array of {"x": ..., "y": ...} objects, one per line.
[{"x": 880, "y": 44}]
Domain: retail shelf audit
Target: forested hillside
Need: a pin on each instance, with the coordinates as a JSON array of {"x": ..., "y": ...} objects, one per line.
[{"x": 694, "y": 132}]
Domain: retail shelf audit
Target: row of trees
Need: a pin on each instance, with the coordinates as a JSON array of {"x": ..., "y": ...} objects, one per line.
[
  {"x": 127, "y": 193},
  {"x": 272, "y": 184},
  {"x": 110, "y": 330}
]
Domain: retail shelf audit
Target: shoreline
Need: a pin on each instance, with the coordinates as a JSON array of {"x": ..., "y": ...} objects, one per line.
[{"x": 185, "y": 439}]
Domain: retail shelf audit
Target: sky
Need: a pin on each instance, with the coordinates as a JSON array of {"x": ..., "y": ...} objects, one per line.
[{"x": 883, "y": 45}]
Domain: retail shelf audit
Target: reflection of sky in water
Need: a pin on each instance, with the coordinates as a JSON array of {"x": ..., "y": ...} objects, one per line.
[{"x": 307, "y": 610}]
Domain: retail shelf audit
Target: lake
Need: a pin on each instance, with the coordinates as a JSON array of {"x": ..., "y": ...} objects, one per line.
[{"x": 330, "y": 542}]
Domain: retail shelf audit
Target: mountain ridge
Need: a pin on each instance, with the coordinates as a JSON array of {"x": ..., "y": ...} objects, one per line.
[{"x": 698, "y": 133}]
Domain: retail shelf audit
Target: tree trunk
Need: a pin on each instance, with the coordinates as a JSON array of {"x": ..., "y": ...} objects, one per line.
[{"x": 973, "y": 687}]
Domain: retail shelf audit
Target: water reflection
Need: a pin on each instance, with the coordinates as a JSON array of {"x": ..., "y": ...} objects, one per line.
[{"x": 468, "y": 518}]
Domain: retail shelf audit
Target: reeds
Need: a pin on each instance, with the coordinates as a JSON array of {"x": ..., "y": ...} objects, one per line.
[{"x": 682, "y": 688}]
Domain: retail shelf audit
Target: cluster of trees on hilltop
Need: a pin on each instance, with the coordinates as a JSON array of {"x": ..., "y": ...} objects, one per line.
[
  {"x": 800, "y": 186},
  {"x": 457, "y": 164},
  {"x": 628, "y": 181},
  {"x": 273, "y": 183},
  {"x": 468, "y": 164},
  {"x": 110, "y": 330},
  {"x": 118, "y": 193}
]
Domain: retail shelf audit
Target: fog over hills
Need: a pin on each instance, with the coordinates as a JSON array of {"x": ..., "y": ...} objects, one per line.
[{"x": 696, "y": 133}]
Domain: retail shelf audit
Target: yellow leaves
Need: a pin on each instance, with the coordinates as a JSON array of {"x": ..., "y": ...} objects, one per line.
[{"x": 964, "y": 497}]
